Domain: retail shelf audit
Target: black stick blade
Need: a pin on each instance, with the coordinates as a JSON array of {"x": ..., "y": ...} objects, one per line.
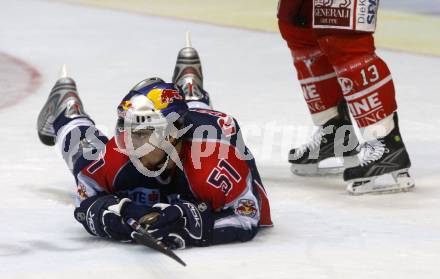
[{"x": 147, "y": 240}]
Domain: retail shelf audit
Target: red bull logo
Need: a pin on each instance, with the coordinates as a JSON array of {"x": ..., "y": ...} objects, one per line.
[
  {"x": 161, "y": 98},
  {"x": 82, "y": 191},
  {"x": 246, "y": 208},
  {"x": 126, "y": 105}
]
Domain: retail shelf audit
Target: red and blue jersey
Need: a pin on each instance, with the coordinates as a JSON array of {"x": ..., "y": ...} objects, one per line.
[
  {"x": 220, "y": 169},
  {"x": 217, "y": 168}
]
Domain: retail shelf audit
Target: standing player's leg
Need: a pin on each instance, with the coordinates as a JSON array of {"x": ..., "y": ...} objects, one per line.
[
  {"x": 62, "y": 120},
  {"x": 321, "y": 92},
  {"x": 369, "y": 91}
]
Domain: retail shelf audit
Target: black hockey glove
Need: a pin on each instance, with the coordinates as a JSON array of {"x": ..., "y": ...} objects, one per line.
[
  {"x": 180, "y": 225},
  {"x": 105, "y": 216}
]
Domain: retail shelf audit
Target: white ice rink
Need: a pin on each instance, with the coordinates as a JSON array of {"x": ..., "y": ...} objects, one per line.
[{"x": 319, "y": 232}]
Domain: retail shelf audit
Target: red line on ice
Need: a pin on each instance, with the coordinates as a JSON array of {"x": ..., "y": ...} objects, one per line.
[{"x": 32, "y": 78}]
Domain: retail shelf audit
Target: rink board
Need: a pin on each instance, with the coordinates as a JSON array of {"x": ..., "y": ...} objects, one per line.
[{"x": 397, "y": 30}]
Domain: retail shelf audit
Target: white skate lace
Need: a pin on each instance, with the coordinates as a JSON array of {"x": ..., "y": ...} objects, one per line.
[
  {"x": 312, "y": 144},
  {"x": 372, "y": 151}
]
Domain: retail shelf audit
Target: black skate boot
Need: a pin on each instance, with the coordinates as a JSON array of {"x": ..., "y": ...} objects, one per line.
[
  {"x": 381, "y": 158},
  {"x": 335, "y": 140},
  {"x": 62, "y": 99},
  {"x": 188, "y": 76}
]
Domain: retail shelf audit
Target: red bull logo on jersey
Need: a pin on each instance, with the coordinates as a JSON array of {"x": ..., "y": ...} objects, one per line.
[
  {"x": 246, "y": 208},
  {"x": 82, "y": 191}
]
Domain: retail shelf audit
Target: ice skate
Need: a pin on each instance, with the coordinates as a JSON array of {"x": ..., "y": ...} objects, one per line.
[
  {"x": 325, "y": 154},
  {"x": 63, "y": 98},
  {"x": 383, "y": 166},
  {"x": 188, "y": 75}
]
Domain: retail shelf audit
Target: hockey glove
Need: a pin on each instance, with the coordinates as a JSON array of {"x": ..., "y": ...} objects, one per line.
[
  {"x": 104, "y": 216},
  {"x": 180, "y": 225}
]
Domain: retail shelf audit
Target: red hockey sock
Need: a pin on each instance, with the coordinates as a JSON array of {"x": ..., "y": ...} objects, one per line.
[
  {"x": 317, "y": 77},
  {"x": 365, "y": 79}
]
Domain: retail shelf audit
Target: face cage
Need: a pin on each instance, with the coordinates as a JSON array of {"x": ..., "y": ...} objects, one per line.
[{"x": 130, "y": 138}]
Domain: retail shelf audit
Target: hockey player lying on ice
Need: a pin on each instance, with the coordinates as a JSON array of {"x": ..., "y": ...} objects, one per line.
[{"x": 171, "y": 154}]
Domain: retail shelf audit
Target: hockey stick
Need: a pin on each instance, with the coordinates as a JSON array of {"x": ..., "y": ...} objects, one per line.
[{"x": 143, "y": 237}]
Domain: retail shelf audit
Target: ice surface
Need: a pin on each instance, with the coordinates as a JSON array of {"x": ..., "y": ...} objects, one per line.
[{"x": 320, "y": 231}]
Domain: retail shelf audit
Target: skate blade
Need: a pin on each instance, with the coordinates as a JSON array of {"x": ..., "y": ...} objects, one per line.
[
  {"x": 403, "y": 182},
  {"x": 314, "y": 170},
  {"x": 329, "y": 166}
]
